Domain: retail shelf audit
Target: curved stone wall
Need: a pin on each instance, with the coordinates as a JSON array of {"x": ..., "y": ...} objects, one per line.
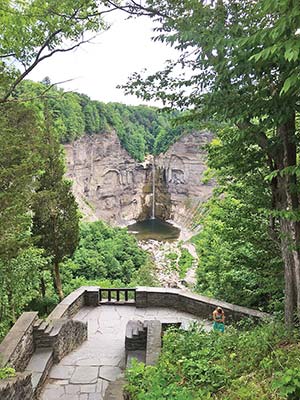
[{"x": 195, "y": 304}]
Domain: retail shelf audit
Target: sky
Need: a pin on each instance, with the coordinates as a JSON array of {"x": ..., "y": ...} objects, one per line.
[{"x": 97, "y": 68}]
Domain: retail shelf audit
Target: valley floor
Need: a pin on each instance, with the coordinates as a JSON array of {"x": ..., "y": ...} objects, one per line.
[{"x": 166, "y": 267}]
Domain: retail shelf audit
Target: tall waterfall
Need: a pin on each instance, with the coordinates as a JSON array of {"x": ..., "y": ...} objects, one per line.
[{"x": 153, "y": 189}]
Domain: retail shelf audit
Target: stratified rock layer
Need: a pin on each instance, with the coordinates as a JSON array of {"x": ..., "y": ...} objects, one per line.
[
  {"x": 110, "y": 185},
  {"x": 182, "y": 168},
  {"x": 108, "y": 182}
]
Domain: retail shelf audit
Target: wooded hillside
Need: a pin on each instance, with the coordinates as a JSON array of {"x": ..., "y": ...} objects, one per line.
[{"x": 142, "y": 130}]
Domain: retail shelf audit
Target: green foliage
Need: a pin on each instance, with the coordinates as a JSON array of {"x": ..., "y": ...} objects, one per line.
[
  {"x": 239, "y": 243},
  {"x": 145, "y": 275},
  {"x": 55, "y": 211},
  {"x": 237, "y": 365},
  {"x": 7, "y": 372},
  {"x": 20, "y": 161},
  {"x": 19, "y": 284},
  {"x": 105, "y": 252},
  {"x": 238, "y": 261},
  {"x": 33, "y": 31},
  {"x": 185, "y": 262},
  {"x": 141, "y": 129},
  {"x": 20, "y": 166},
  {"x": 288, "y": 383},
  {"x": 233, "y": 53}
]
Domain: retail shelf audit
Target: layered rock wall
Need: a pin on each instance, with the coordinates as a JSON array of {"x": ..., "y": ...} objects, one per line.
[
  {"x": 182, "y": 168},
  {"x": 107, "y": 182},
  {"x": 110, "y": 185}
]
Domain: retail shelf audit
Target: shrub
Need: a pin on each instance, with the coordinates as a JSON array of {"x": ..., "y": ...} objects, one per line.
[{"x": 7, "y": 372}]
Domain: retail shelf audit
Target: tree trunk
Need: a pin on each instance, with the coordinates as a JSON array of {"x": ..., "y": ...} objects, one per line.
[
  {"x": 290, "y": 298},
  {"x": 287, "y": 201},
  {"x": 43, "y": 287},
  {"x": 10, "y": 298},
  {"x": 57, "y": 281}
]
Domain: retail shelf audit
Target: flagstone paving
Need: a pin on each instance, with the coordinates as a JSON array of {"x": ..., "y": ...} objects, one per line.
[{"x": 85, "y": 373}]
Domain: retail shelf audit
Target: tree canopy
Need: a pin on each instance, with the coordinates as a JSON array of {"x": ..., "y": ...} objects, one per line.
[
  {"x": 142, "y": 130},
  {"x": 240, "y": 66}
]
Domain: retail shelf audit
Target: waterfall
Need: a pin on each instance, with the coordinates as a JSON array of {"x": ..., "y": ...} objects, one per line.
[{"x": 153, "y": 189}]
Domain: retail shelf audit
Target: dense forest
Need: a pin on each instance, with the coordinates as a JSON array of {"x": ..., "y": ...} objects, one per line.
[
  {"x": 142, "y": 130},
  {"x": 239, "y": 242}
]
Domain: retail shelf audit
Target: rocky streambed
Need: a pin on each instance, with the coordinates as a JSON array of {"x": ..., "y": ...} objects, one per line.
[{"x": 168, "y": 260}]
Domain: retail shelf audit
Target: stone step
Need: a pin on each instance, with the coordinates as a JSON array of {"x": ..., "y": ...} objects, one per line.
[
  {"x": 49, "y": 329},
  {"x": 114, "y": 390},
  {"x": 139, "y": 355},
  {"x": 39, "y": 366},
  {"x": 43, "y": 326},
  {"x": 37, "y": 323},
  {"x": 135, "y": 329}
]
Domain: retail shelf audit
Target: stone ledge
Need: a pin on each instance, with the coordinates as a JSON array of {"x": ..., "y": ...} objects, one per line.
[
  {"x": 63, "y": 307},
  {"x": 85, "y": 295},
  {"x": 15, "y": 337},
  {"x": 153, "y": 349},
  {"x": 199, "y": 305}
]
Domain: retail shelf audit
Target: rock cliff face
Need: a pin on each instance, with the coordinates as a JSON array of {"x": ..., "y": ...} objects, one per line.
[
  {"x": 109, "y": 184},
  {"x": 182, "y": 168}
]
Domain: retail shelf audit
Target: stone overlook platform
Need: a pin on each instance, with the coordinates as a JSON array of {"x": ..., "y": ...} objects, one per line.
[
  {"x": 78, "y": 352},
  {"x": 85, "y": 373}
]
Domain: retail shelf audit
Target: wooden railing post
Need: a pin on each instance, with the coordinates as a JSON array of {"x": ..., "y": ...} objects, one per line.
[{"x": 112, "y": 299}]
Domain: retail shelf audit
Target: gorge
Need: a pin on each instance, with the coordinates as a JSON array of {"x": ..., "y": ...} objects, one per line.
[
  {"x": 74, "y": 288},
  {"x": 110, "y": 185}
]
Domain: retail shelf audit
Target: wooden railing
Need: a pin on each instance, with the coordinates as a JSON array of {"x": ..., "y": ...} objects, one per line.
[{"x": 117, "y": 295}]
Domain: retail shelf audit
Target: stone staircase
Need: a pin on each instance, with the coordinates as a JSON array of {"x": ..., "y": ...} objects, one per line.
[
  {"x": 50, "y": 346},
  {"x": 43, "y": 357},
  {"x": 42, "y": 334},
  {"x": 39, "y": 365},
  {"x": 135, "y": 336}
]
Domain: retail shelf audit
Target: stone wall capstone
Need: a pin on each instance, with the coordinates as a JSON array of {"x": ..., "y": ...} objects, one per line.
[
  {"x": 70, "y": 305},
  {"x": 17, "y": 347},
  {"x": 200, "y": 306}
]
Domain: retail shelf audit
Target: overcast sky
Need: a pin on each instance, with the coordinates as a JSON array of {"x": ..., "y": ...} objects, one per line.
[{"x": 99, "y": 67}]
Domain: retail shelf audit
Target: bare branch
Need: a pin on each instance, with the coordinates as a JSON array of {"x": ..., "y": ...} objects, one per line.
[
  {"x": 136, "y": 9},
  {"x": 42, "y": 95},
  {"x": 7, "y": 55},
  {"x": 131, "y": 8},
  {"x": 38, "y": 59}
]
